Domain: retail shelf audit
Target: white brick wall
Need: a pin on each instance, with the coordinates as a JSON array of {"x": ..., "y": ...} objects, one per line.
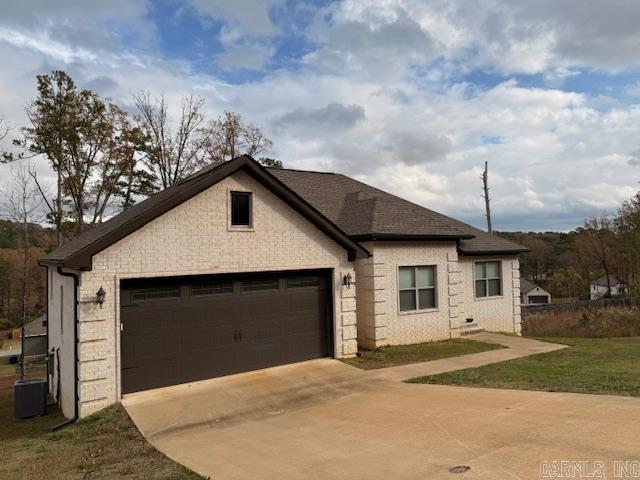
[
  {"x": 496, "y": 314},
  {"x": 380, "y": 321},
  {"x": 192, "y": 239}
]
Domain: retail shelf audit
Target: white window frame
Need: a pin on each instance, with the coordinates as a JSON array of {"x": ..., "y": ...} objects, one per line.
[
  {"x": 417, "y": 289},
  {"x": 501, "y": 278}
]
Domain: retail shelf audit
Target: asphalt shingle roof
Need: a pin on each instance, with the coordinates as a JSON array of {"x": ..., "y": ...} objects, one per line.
[
  {"x": 357, "y": 209},
  {"x": 361, "y": 210},
  {"x": 526, "y": 286}
]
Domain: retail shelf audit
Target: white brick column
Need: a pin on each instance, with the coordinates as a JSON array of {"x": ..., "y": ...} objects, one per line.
[
  {"x": 517, "y": 317},
  {"x": 347, "y": 321},
  {"x": 454, "y": 293}
]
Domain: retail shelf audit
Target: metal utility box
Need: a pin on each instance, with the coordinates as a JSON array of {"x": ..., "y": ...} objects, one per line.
[{"x": 30, "y": 398}]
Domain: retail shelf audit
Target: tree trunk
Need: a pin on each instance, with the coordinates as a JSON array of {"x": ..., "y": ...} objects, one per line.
[
  {"x": 59, "y": 209},
  {"x": 25, "y": 268},
  {"x": 487, "y": 201}
]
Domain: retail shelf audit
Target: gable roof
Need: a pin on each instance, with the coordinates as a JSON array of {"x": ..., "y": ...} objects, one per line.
[
  {"x": 345, "y": 209},
  {"x": 78, "y": 253},
  {"x": 526, "y": 286},
  {"x": 367, "y": 213}
]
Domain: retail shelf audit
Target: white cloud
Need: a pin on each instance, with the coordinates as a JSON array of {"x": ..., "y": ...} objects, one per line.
[
  {"x": 245, "y": 57},
  {"x": 51, "y": 48},
  {"x": 250, "y": 16},
  {"x": 369, "y": 101}
]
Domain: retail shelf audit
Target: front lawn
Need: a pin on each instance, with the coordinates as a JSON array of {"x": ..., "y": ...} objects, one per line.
[
  {"x": 420, "y": 352},
  {"x": 104, "y": 445},
  {"x": 590, "y": 365}
]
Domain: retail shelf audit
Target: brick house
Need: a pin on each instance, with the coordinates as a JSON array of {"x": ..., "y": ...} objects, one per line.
[{"x": 241, "y": 267}]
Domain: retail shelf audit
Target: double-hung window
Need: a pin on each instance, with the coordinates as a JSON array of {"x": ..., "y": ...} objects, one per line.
[
  {"x": 417, "y": 288},
  {"x": 488, "y": 279}
]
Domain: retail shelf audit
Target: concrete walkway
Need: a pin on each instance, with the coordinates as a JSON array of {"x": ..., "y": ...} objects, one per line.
[{"x": 517, "y": 347}]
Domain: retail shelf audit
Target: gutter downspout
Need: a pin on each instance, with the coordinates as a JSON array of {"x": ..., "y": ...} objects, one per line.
[{"x": 76, "y": 283}]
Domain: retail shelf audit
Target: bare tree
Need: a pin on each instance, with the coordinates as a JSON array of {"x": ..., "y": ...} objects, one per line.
[
  {"x": 170, "y": 156},
  {"x": 229, "y": 136},
  {"x": 21, "y": 201},
  {"x": 485, "y": 195},
  {"x": 599, "y": 243}
]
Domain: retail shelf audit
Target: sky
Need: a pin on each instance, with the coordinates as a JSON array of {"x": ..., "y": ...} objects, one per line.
[{"x": 409, "y": 96}]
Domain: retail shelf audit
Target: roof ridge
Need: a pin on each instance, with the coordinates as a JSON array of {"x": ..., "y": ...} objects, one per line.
[{"x": 302, "y": 171}]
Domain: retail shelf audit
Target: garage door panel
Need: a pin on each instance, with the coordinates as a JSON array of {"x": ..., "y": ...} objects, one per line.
[
  {"x": 207, "y": 363},
  {"x": 206, "y": 337},
  {"x": 221, "y": 325},
  {"x": 262, "y": 354}
]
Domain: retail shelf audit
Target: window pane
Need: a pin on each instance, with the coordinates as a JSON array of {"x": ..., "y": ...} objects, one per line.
[
  {"x": 299, "y": 282},
  {"x": 495, "y": 287},
  {"x": 480, "y": 270},
  {"x": 259, "y": 284},
  {"x": 159, "y": 292},
  {"x": 426, "y": 277},
  {"x": 212, "y": 289},
  {"x": 240, "y": 208},
  {"x": 427, "y": 298},
  {"x": 408, "y": 300},
  {"x": 407, "y": 277},
  {"x": 493, "y": 269},
  {"x": 481, "y": 288}
]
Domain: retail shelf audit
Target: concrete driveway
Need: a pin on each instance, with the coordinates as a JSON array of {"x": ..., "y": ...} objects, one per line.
[{"x": 326, "y": 420}]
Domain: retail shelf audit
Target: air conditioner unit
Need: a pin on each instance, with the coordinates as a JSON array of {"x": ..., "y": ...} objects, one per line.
[{"x": 30, "y": 398}]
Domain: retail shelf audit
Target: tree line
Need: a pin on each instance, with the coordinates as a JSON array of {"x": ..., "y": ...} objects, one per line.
[
  {"x": 104, "y": 158},
  {"x": 605, "y": 246}
]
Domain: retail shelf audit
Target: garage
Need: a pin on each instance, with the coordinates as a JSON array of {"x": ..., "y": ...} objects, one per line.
[
  {"x": 182, "y": 329},
  {"x": 538, "y": 299}
]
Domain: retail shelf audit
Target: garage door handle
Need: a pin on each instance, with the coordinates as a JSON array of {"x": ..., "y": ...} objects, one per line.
[
  {"x": 240, "y": 334},
  {"x": 236, "y": 335}
]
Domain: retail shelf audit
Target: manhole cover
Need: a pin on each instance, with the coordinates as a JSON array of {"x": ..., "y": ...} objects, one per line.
[{"x": 459, "y": 469}]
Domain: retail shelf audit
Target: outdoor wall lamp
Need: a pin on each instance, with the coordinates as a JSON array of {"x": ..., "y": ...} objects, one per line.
[
  {"x": 347, "y": 280},
  {"x": 100, "y": 296}
]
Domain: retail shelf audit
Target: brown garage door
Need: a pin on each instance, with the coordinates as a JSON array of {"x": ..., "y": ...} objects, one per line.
[{"x": 186, "y": 329}]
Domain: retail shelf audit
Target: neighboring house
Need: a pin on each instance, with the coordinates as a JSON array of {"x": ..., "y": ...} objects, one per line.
[
  {"x": 532, "y": 294},
  {"x": 35, "y": 337},
  {"x": 241, "y": 267},
  {"x": 36, "y": 327},
  {"x": 599, "y": 288}
]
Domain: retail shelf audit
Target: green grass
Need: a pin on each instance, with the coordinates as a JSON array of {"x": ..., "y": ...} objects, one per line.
[
  {"x": 420, "y": 352},
  {"x": 104, "y": 445},
  {"x": 591, "y": 365}
]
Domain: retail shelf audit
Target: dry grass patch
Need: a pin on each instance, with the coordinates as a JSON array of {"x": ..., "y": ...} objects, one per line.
[{"x": 584, "y": 323}]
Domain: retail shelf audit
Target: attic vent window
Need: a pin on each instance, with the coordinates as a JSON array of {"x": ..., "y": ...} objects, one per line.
[{"x": 241, "y": 209}]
